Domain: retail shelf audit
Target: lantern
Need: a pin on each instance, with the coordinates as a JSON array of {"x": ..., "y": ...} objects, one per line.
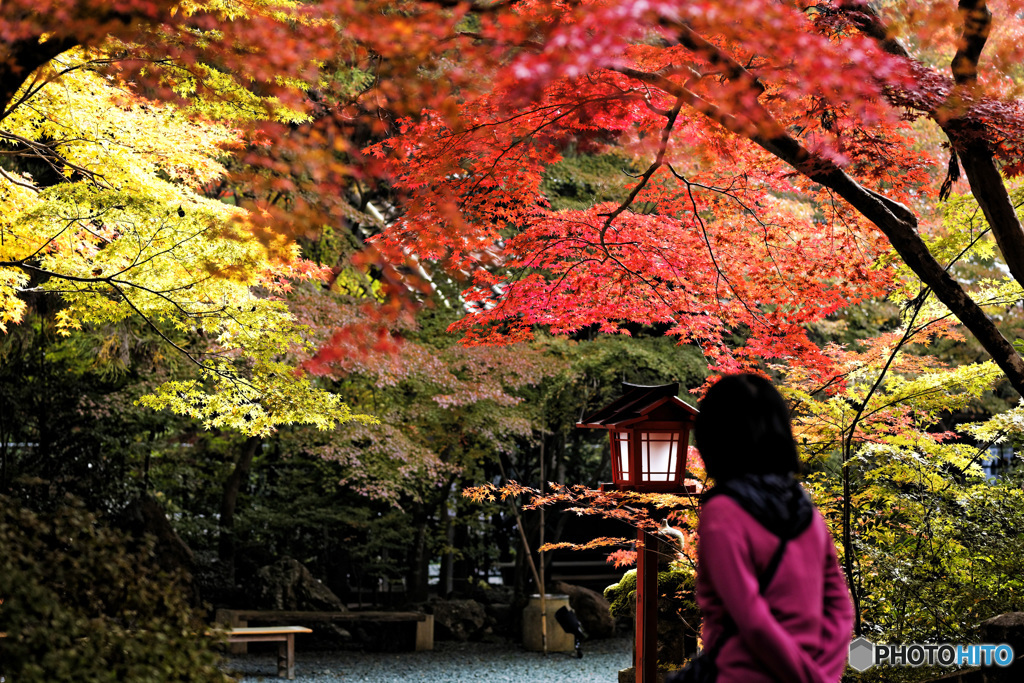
[{"x": 650, "y": 434}]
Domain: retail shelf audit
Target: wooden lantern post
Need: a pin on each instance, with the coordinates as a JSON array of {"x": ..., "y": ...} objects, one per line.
[{"x": 649, "y": 428}]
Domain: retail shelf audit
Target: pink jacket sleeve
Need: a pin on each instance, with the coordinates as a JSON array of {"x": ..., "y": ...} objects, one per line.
[
  {"x": 735, "y": 581},
  {"x": 838, "y": 622}
]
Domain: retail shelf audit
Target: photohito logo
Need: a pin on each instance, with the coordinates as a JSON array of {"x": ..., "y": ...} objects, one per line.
[{"x": 864, "y": 654}]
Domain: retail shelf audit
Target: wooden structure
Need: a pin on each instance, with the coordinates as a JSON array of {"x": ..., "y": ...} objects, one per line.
[
  {"x": 649, "y": 428},
  {"x": 423, "y": 623},
  {"x": 283, "y": 634}
]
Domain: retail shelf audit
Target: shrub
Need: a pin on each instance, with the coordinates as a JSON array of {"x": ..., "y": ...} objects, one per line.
[
  {"x": 678, "y": 615},
  {"x": 675, "y": 596},
  {"x": 82, "y": 602}
]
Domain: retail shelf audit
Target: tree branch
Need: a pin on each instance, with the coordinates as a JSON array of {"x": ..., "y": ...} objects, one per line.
[
  {"x": 899, "y": 225},
  {"x": 23, "y": 57},
  {"x": 976, "y": 155},
  {"x": 655, "y": 165},
  {"x": 968, "y": 137},
  {"x": 717, "y": 57},
  {"x": 17, "y": 182},
  {"x": 473, "y": 7},
  {"x": 896, "y": 221},
  {"x": 868, "y": 22},
  {"x": 977, "y": 23}
]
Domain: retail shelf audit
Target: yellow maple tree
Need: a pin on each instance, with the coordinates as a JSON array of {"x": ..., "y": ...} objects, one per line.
[{"x": 103, "y": 205}]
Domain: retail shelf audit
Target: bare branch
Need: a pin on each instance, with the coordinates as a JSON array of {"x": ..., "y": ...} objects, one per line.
[
  {"x": 731, "y": 69},
  {"x": 658, "y": 161},
  {"x": 17, "y": 182}
]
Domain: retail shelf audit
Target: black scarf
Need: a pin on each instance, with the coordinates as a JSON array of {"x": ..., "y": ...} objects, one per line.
[{"x": 777, "y": 501}]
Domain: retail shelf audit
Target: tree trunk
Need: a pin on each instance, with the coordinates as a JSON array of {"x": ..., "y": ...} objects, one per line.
[
  {"x": 229, "y": 501},
  {"x": 446, "y": 580},
  {"x": 418, "y": 579},
  {"x": 463, "y": 569}
]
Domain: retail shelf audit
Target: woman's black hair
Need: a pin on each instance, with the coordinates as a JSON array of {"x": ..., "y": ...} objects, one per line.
[{"x": 744, "y": 428}]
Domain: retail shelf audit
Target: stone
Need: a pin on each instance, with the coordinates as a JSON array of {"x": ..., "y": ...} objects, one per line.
[
  {"x": 538, "y": 618},
  {"x": 500, "y": 618},
  {"x": 289, "y": 585},
  {"x": 487, "y": 594},
  {"x": 591, "y": 608},
  {"x": 629, "y": 676},
  {"x": 459, "y": 620},
  {"x": 145, "y": 517}
]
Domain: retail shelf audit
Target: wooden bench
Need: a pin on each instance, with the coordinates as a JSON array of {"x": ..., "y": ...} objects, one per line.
[
  {"x": 284, "y": 634},
  {"x": 238, "y": 618}
]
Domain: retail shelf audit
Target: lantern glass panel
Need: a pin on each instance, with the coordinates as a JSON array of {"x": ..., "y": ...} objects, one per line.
[
  {"x": 621, "y": 452},
  {"x": 660, "y": 454}
]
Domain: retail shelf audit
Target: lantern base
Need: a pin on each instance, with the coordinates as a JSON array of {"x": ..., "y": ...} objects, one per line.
[
  {"x": 629, "y": 675},
  {"x": 689, "y": 487}
]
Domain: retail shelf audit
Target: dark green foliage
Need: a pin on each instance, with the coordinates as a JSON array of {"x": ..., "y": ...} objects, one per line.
[
  {"x": 895, "y": 674},
  {"x": 678, "y": 616},
  {"x": 295, "y": 507},
  {"x": 579, "y": 182},
  {"x": 67, "y": 413},
  {"x": 361, "y": 507},
  {"x": 82, "y": 603},
  {"x": 676, "y": 597}
]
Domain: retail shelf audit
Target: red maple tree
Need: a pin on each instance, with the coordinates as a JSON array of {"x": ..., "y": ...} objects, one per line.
[
  {"x": 779, "y": 158},
  {"x": 778, "y": 145}
]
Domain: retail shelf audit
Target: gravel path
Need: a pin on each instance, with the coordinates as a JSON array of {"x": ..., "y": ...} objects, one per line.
[{"x": 448, "y": 663}]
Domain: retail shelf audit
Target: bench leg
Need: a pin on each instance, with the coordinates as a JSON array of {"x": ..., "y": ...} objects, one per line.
[
  {"x": 286, "y": 658},
  {"x": 227, "y": 617},
  {"x": 425, "y": 634},
  {"x": 237, "y": 648}
]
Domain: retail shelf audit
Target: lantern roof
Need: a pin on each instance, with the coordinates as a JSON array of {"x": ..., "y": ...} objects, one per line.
[{"x": 640, "y": 403}]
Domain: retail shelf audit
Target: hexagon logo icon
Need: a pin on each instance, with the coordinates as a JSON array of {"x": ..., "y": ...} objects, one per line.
[{"x": 862, "y": 654}]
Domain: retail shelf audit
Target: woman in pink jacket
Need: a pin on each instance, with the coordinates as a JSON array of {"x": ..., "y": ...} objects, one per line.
[{"x": 759, "y": 524}]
